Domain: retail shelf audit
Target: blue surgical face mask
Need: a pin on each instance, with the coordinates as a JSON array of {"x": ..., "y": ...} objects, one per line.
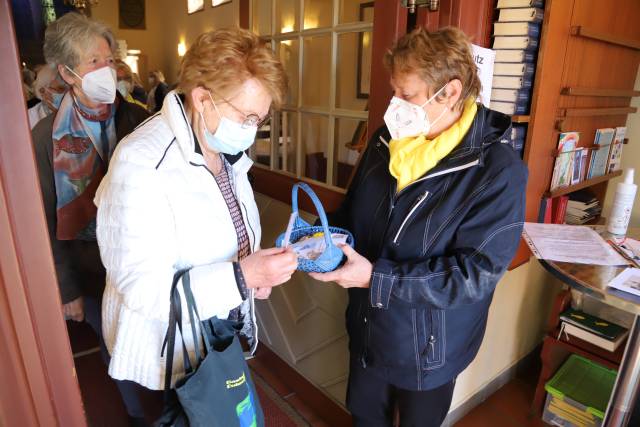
[{"x": 230, "y": 137}]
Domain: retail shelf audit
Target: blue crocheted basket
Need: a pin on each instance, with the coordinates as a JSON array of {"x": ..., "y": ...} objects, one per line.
[{"x": 332, "y": 256}]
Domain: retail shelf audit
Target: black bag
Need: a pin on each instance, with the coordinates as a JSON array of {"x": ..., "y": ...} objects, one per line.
[{"x": 219, "y": 390}]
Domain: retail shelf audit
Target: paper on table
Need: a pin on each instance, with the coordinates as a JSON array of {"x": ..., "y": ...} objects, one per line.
[
  {"x": 628, "y": 281},
  {"x": 569, "y": 243}
]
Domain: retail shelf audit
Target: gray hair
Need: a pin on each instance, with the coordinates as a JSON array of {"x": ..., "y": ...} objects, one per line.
[{"x": 68, "y": 37}]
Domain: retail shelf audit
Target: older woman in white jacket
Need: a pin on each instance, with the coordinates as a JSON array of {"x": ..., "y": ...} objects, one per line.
[{"x": 177, "y": 196}]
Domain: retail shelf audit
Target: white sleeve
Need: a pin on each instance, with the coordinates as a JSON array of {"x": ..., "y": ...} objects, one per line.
[{"x": 138, "y": 246}]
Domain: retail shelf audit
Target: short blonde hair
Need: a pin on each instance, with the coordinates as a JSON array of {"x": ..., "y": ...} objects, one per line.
[
  {"x": 157, "y": 74},
  {"x": 437, "y": 57},
  {"x": 123, "y": 66},
  {"x": 222, "y": 60},
  {"x": 66, "y": 38}
]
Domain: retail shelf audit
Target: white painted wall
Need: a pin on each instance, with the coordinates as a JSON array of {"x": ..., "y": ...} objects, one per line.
[{"x": 630, "y": 159}]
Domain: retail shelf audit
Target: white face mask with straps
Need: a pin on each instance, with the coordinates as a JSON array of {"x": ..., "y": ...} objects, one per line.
[
  {"x": 99, "y": 85},
  {"x": 404, "y": 119}
]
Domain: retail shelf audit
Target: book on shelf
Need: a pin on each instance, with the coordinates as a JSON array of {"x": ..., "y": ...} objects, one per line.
[
  {"x": 600, "y": 152},
  {"x": 584, "y": 163},
  {"x": 518, "y": 146},
  {"x": 615, "y": 154},
  {"x": 513, "y": 69},
  {"x": 593, "y": 329},
  {"x": 546, "y": 209},
  {"x": 515, "y": 42},
  {"x": 511, "y": 95},
  {"x": 578, "y": 157},
  {"x": 582, "y": 207},
  {"x": 583, "y": 199},
  {"x": 518, "y": 131},
  {"x": 563, "y": 167},
  {"x": 584, "y": 335},
  {"x": 515, "y": 55},
  {"x": 559, "y": 209},
  {"x": 510, "y": 108},
  {"x": 503, "y": 4},
  {"x": 512, "y": 82},
  {"x": 531, "y": 29},
  {"x": 524, "y": 14}
]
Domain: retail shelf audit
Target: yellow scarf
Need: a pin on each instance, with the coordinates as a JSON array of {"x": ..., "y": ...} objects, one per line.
[{"x": 414, "y": 156}]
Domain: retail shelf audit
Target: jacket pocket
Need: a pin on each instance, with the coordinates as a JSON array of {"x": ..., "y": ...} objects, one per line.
[
  {"x": 433, "y": 325},
  {"x": 409, "y": 218}
]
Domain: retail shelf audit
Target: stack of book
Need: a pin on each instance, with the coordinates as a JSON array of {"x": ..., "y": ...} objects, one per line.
[
  {"x": 582, "y": 207},
  {"x": 592, "y": 329},
  {"x": 516, "y": 37}
]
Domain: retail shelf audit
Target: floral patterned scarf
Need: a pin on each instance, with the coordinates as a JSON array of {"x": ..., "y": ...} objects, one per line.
[{"x": 83, "y": 141}]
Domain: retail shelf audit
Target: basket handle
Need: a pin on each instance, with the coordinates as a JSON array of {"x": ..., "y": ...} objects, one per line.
[{"x": 316, "y": 202}]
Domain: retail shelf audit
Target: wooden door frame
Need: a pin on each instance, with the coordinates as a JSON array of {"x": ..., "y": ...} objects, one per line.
[{"x": 36, "y": 365}]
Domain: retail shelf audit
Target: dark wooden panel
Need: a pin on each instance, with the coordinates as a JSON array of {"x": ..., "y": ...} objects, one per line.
[
  {"x": 607, "y": 37},
  {"x": 542, "y": 135},
  {"x": 474, "y": 17},
  {"x": 588, "y": 91},
  {"x": 389, "y": 23}
]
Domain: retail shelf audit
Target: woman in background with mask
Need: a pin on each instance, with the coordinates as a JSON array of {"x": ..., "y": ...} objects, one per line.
[
  {"x": 177, "y": 197},
  {"x": 436, "y": 208},
  {"x": 49, "y": 88},
  {"x": 125, "y": 83},
  {"x": 158, "y": 89},
  {"x": 73, "y": 148}
]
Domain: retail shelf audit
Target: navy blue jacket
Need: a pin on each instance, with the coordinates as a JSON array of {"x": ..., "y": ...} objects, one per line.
[{"x": 439, "y": 247}]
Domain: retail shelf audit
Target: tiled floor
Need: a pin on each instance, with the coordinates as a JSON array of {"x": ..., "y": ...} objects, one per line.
[
  {"x": 314, "y": 419},
  {"x": 508, "y": 407}
]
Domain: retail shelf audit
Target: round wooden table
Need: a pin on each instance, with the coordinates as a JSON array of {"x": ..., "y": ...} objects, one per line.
[{"x": 592, "y": 280}]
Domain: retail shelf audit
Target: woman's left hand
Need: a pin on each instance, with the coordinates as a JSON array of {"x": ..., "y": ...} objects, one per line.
[{"x": 355, "y": 273}]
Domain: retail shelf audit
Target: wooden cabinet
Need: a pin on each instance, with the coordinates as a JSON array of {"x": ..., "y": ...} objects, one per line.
[{"x": 587, "y": 65}]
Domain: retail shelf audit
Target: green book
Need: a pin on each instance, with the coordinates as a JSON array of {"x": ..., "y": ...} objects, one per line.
[{"x": 593, "y": 324}]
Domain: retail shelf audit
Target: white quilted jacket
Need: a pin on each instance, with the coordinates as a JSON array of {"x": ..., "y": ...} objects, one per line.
[{"x": 159, "y": 210}]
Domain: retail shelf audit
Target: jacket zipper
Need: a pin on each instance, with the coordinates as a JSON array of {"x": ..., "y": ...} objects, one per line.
[{"x": 416, "y": 205}]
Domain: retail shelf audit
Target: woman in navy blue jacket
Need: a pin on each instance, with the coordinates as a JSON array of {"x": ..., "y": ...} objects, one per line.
[{"x": 436, "y": 208}]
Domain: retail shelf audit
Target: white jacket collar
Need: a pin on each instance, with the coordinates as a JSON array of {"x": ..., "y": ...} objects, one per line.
[{"x": 174, "y": 113}]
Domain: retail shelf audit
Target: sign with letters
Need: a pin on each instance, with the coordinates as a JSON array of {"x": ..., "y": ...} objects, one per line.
[{"x": 484, "y": 59}]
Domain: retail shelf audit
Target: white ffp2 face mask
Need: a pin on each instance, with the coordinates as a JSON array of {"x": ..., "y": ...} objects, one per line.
[
  {"x": 404, "y": 119},
  {"x": 99, "y": 85},
  {"x": 123, "y": 88}
]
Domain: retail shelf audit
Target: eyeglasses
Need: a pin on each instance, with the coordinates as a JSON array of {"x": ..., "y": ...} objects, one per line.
[{"x": 250, "y": 120}]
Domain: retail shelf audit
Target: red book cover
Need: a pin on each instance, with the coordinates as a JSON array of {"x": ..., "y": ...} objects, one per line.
[{"x": 560, "y": 209}]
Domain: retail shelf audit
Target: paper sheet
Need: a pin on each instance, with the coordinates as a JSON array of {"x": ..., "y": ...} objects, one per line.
[
  {"x": 313, "y": 247},
  {"x": 570, "y": 243},
  {"x": 628, "y": 281}
]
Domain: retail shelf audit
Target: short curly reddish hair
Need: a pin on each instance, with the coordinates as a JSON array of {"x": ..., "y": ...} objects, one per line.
[
  {"x": 437, "y": 57},
  {"x": 222, "y": 60}
]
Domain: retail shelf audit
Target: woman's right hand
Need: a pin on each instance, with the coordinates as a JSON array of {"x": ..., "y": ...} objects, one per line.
[{"x": 267, "y": 268}]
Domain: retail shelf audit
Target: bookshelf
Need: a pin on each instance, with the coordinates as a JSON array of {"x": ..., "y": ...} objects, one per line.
[
  {"x": 584, "y": 80},
  {"x": 581, "y": 185},
  {"x": 520, "y": 119}
]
